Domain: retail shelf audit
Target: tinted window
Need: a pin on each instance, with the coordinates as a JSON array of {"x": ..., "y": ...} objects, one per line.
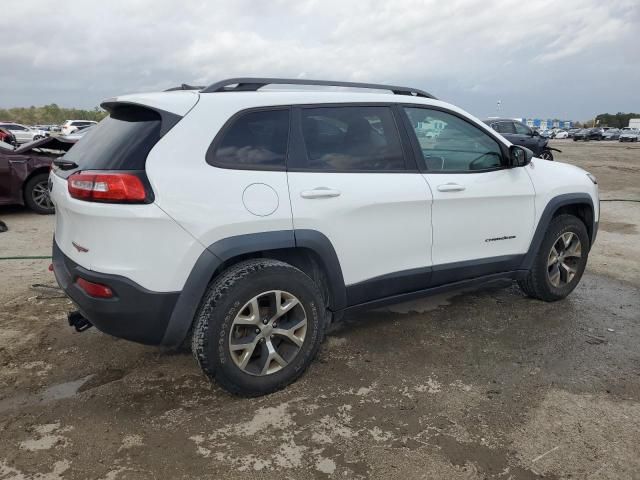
[
  {"x": 522, "y": 129},
  {"x": 351, "y": 139},
  {"x": 254, "y": 140},
  {"x": 121, "y": 141},
  {"x": 14, "y": 127},
  {"x": 456, "y": 146},
  {"x": 503, "y": 127}
]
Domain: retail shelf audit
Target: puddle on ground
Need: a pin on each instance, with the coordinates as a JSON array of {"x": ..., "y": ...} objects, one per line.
[{"x": 50, "y": 394}]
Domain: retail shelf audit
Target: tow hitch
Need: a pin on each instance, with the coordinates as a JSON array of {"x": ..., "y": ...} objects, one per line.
[{"x": 77, "y": 321}]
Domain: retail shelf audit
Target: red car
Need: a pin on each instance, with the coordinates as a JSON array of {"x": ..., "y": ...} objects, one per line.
[
  {"x": 24, "y": 173},
  {"x": 7, "y": 137}
]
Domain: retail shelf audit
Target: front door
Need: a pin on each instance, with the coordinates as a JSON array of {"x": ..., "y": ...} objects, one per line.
[
  {"x": 483, "y": 211},
  {"x": 349, "y": 181}
]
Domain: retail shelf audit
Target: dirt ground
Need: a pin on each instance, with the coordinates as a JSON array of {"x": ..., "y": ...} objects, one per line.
[{"x": 473, "y": 385}]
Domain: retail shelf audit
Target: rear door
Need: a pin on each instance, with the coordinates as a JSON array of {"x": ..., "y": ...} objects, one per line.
[
  {"x": 349, "y": 180},
  {"x": 526, "y": 138},
  {"x": 483, "y": 212}
]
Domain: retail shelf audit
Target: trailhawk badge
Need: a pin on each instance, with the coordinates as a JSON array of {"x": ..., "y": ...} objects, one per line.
[{"x": 80, "y": 248}]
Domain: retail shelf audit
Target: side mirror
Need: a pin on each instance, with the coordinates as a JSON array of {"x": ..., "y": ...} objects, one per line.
[
  {"x": 519, "y": 156},
  {"x": 535, "y": 133}
]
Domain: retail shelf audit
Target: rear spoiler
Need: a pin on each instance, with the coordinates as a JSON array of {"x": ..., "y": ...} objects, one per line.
[{"x": 168, "y": 119}]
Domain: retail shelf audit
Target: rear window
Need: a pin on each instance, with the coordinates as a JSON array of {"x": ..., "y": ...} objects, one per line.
[{"x": 121, "y": 141}]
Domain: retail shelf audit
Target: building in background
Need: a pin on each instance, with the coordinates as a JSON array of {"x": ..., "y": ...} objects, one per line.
[
  {"x": 634, "y": 123},
  {"x": 542, "y": 124}
]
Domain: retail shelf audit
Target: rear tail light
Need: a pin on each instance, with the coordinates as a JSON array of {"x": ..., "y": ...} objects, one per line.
[
  {"x": 94, "y": 289},
  {"x": 107, "y": 187}
]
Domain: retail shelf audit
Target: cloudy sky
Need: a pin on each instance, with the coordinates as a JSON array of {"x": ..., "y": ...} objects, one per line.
[{"x": 552, "y": 58}]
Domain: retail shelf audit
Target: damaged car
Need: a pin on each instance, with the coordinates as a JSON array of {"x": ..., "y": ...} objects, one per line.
[{"x": 24, "y": 172}]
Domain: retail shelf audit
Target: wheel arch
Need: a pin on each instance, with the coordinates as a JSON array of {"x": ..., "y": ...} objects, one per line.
[
  {"x": 33, "y": 173},
  {"x": 578, "y": 204},
  {"x": 307, "y": 250}
]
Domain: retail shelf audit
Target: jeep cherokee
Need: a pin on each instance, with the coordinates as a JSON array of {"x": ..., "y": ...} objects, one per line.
[{"x": 244, "y": 218}]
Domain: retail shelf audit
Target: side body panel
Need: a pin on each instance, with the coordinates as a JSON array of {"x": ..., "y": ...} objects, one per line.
[{"x": 493, "y": 216}]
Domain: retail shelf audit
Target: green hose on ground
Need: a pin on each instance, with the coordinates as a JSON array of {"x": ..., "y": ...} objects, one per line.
[{"x": 27, "y": 258}]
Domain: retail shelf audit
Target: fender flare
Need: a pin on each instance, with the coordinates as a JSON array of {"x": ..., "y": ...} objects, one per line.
[
  {"x": 545, "y": 219},
  {"x": 216, "y": 254}
]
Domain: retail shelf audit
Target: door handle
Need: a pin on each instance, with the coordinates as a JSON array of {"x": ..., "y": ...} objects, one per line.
[
  {"x": 320, "y": 192},
  {"x": 451, "y": 187}
]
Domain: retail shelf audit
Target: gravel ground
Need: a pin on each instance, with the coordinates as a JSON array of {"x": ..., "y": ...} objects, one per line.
[{"x": 478, "y": 384}]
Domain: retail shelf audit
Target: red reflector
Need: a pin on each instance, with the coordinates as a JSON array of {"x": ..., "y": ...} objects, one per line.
[
  {"x": 51, "y": 267},
  {"x": 94, "y": 289},
  {"x": 106, "y": 187}
]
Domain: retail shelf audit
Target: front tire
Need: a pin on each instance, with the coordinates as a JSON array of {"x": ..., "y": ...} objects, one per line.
[
  {"x": 560, "y": 261},
  {"x": 259, "y": 327},
  {"x": 36, "y": 194},
  {"x": 547, "y": 155}
]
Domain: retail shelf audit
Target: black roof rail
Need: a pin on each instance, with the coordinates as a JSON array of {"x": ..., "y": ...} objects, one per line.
[
  {"x": 184, "y": 86},
  {"x": 254, "y": 84}
]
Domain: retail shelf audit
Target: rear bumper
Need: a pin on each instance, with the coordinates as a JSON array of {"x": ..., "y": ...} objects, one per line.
[{"x": 134, "y": 313}]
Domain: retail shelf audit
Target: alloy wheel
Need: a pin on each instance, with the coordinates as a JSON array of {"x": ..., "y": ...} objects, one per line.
[
  {"x": 40, "y": 195},
  {"x": 268, "y": 332},
  {"x": 564, "y": 259}
]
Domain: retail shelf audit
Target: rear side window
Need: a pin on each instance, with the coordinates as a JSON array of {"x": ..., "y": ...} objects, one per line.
[
  {"x": 521, "y": 129},
  {"x": 121, "y": 141},
  {"x": 503, "y": 127},
  {"x": 255, "y": 140},
  {"x": 351, "y": 139}
]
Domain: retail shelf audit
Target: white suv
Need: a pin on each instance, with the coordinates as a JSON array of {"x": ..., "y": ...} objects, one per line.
[
  {"x": 246, "y": 219},
  {"x": 71, "y": 126}
]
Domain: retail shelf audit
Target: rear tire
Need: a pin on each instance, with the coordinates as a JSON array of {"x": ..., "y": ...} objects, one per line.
[
  {"x": 553, "y": 276},
  {"x": 240, "y": 325},
  {"x": 36, "y": 194}
]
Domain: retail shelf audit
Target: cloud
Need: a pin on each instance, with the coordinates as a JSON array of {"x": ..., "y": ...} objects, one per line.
[{"x": 539, "y": 58}]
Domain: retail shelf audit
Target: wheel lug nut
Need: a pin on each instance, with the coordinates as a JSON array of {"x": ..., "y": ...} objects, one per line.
[
  {"x": 257, "y": 330},
  {"x": 274, "y": 325},
  {"x": 265, "y": 321}
]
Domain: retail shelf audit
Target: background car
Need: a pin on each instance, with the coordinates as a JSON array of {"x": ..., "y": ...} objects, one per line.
[
  {"x": 572, "y": 131},
  {"x": 587, "y": 134},
  {"x": 520, "y": 134},
  {"x": 23, "y": 133},
  {"x": 78, "y": 134},
  {"x": 562, "y": 134},
  {"x": 629, "y": 136},
  {"x": 547, "y": 133},
  {"x": 24, "y": 173},
  {"x": 7, "y": 137},
  {"x": 611, "y": 134},
  {"x": 44, "y": 128},
  {"x": 71, "y": 126}
]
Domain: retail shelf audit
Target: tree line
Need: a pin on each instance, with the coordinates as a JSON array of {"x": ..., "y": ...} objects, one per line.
[
  {"x": 617, "y": 120},
  {"x": 49, "y": 114}
]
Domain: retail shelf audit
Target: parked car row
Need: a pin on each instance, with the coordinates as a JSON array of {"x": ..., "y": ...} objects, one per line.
[
  {"x": 596, "y": 133},
  {"x": 624, "y": 135},
  {"x": 25, "y": 133}
]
